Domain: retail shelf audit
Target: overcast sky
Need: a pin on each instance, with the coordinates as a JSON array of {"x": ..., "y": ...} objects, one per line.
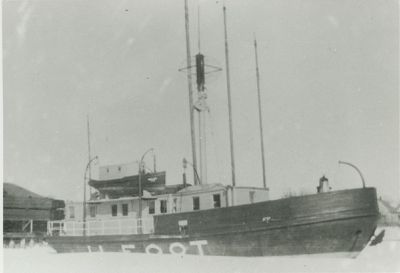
[{"x": 329, "y": 82}]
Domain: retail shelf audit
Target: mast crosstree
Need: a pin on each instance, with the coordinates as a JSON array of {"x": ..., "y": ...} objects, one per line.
[{"x": 200, "y": 69}]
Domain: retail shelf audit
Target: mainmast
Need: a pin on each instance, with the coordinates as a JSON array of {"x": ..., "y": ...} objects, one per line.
[
  {"x": 190, "y": 87},
  {"x": 201, "y": 104},
  {"x": 260, "y": 114},
  {"x": 228, "y": 87},
  {"x": 202, "y": 107}
]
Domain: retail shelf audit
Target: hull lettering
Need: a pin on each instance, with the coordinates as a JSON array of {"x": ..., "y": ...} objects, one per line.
[
  {"x": 177, "y": 246},
  {"x": 127, "y": 248},
  {"x": 199, "y": 245},
  {"x": 151, "y": 247}
]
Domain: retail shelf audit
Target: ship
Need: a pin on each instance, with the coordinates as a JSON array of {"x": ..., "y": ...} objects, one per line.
[
  {"x": 141, "y": 213},
  {"x": 201, "y": 220}
]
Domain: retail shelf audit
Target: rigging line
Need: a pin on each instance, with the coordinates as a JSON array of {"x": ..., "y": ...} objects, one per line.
[
  {"x": 199, "y": 147},
  {"x": 213, "y": 137},
  {"x": 260, "y": 114},
  {"x": 89, "y": 151}
]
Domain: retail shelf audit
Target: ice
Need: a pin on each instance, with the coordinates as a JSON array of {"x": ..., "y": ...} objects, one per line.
[{"x": 384, "y": 257}]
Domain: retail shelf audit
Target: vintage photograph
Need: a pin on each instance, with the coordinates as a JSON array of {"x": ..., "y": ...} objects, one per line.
[{"x": 201, "y": 136}]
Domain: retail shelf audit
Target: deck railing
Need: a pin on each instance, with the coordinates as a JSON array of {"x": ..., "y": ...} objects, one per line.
[{"x": 101, "y": 227}]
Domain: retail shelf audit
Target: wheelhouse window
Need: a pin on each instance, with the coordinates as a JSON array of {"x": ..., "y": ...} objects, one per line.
[
  {"x": 124, "y": 209},
  {"x": 71, "y": 212},
  {"x": 92, "y": 211},
  {"x": 196, "y": 203},
  {"x": 163, "y": 206},
  {"x": 114, "y": 210},
  {"x": 217, "y": 200},
  {"x": 152, "y": 207}
]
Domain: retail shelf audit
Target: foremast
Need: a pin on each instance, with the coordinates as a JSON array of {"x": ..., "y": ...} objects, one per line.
[{"x": 202, "y": 108}]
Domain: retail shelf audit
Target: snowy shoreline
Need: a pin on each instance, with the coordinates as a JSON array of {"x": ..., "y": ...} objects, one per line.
[{"x": 380, "y": 258}]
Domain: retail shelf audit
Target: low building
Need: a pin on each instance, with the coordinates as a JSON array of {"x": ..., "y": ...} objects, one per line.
[{"x": 26, "y": 214}]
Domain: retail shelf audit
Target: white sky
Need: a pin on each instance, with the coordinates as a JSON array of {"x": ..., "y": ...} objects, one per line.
[{"x": 329, "y": 80}]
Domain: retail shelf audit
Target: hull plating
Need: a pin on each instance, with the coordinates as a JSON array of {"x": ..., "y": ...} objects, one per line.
[{"x": 344, "y": 226}]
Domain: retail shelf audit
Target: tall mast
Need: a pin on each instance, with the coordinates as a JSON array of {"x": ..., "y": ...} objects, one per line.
[
  {"x": 202, "y": 107},
  {"x": 228, "y": 85},
  {"x": 201, "y": 104},
  {"x": 198, "y": 29},
  {"x": 190, "y": 87},
  {"x": 259, "y": 114}
]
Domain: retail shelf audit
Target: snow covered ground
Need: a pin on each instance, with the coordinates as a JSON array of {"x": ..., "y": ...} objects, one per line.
[{"x": 384, "y": 257}]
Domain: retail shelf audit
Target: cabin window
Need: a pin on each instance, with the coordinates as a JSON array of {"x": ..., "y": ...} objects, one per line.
[
  {"x": 163, "y": 206},
  {"x": 251, "y": 196},
  {"x": 196, "y": 203},
  {"x": 175, "y": 204},
  {"x": 152, "y": 207},
  {"x": 92, "y": 211},
  {"x": 71, "y": 212},
  {"x": 114, "y": 210},
  {"x": 124, "y": 209},
  {"x": 217, "y": 200}
]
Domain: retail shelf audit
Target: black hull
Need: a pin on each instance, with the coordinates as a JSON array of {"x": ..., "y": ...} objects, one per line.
[{"x": 340, "y": 223}]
